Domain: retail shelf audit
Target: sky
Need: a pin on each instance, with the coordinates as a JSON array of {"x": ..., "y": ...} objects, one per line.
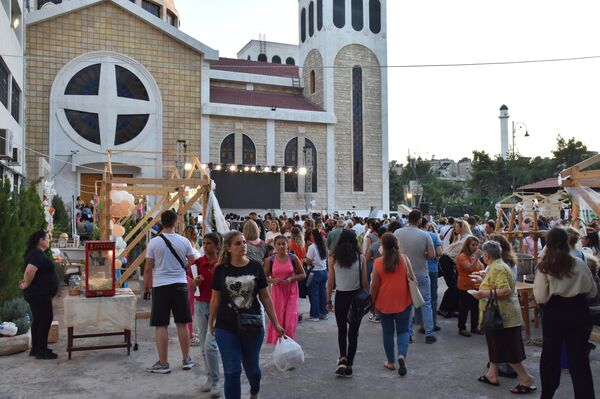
[{"x": 447, "y": 112}]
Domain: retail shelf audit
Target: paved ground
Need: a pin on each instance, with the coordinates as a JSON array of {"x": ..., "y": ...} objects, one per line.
[{"x": 447, "y": 369}]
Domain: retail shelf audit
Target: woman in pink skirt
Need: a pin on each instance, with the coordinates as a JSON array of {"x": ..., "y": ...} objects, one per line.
[{"x": 283, "y": 271}]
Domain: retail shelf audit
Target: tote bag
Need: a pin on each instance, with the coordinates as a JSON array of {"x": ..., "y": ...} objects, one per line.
[{"x": 413, "y": 286}]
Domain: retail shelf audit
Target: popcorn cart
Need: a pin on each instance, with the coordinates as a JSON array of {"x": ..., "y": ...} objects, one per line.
[{"x": 99, "y": 268}]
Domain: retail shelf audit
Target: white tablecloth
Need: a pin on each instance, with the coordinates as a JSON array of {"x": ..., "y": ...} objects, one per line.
[{"x": 117, "y": 312}]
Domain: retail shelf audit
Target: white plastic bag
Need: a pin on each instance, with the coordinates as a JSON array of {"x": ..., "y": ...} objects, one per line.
[
  {"x": 287, "y": 354},
  {"x": 8, "y": 329}
]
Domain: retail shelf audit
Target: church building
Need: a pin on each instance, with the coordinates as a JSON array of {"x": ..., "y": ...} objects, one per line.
[{"x": 281, "y": 127}]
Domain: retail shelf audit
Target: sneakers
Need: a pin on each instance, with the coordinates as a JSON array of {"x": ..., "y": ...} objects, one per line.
[
  {"x": 464, "y": 333},
  {"x": 215, "y": 389},
  {"x": 314, "y": 319},
  {"x": 323, "y": 317},
  {"x": 195, "y": 341},
  {"x": 401, "y": 366},
  {"x": 340, "y": 371},
  {"x": 430, "y": 339},
  {"x": 159, "y": 368},
  {"x": 374, "y": 318},
  {"x": 187, "y": 364},
  {"x": 437, "y": 328},
  {"x": 348, "y": 372}
]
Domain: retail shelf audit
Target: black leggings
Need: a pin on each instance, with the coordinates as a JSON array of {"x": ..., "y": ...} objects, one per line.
[
  {"x": 450, "y": 299},
  {"x": 347, "y": 337},
  {"x": 467, "y": 303},
  {"x": 566, "y": 320},
  {"x": 42, "y": 315}
]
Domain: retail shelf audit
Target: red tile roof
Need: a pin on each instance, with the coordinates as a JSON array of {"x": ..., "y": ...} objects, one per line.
[
  {"x": 256, "y": 67},
  {"x": 551, "y": 182},
  {"x": 226, "y": 95}
]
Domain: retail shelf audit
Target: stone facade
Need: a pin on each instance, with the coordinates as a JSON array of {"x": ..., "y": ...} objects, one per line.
[
  {"x": 314, "y": 62},
  {"x": 106, "y": 27},
  {"x": 221, "y": 127},
  {"x": 346, "y": 197}
]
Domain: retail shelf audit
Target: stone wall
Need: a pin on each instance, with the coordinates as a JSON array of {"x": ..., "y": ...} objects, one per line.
[
  {"x": 106, "y": 27},
  {"x": 314, "y": 62},
  {"x": 346, "y": 197}
]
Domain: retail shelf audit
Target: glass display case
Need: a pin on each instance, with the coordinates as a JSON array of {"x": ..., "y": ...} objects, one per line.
[{"x": 99, "y": 268}]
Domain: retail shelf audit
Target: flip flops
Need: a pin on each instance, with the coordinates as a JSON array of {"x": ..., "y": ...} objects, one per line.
[
  {"x": 523, "y": 389},
  {"x": 485, "y": 380}
]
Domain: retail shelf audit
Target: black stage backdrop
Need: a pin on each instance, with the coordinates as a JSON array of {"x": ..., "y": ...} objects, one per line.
[{"x": 240, "y": 190}]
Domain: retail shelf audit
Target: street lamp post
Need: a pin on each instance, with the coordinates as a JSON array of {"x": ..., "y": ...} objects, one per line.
[{"x": 515, "y": 126}]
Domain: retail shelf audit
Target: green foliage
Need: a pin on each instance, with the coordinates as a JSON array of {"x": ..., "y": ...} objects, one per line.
[
  {"x": 61, "y": 220},
  {"x": 569, "y": 152},
  {"x": 21, "y": 214},
  {"x": 396, "y": 190},
  {"x": 15, "y": 311}
]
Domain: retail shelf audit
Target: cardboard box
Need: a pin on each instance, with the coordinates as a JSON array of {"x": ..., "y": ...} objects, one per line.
[{"x": 53, "y": 333}]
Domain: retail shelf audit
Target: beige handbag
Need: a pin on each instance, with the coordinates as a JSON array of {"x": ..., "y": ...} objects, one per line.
[{"x": 413, "y": 286}]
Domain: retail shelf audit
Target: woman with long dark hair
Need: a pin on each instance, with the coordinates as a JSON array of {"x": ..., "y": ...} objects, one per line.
[
  {"x": 467, "y": 262},
  {"x": 563, "y": 283},
  {"x": 39, "y": 285},
  {"x": 316, "y": 258},
  {"x": 238, "y": 283},
  {"x": 347, "y": 269},
  {"x": 391, "y": 295}
]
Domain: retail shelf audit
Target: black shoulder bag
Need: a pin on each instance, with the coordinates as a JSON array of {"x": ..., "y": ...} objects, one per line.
[
  {"x": 362, "y": 301},
  {"x": 168, "y": 243},
  {"x": 247, "y": 323},
  {"x": 492, "y": 319}
]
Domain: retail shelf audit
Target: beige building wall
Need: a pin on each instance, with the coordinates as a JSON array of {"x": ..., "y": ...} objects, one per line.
[
  {"x": 221, "y": 127},
  {"x": 346, "y": 197},
  {"x": 314, "y": 62},
  {"x": 106, "y": 27},
  {"x": 317, "y": 133}
]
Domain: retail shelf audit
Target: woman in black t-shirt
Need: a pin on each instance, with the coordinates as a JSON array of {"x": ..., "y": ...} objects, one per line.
[
  {"x": 237, "y": 285},
  {"x": 39, "y": 285}
]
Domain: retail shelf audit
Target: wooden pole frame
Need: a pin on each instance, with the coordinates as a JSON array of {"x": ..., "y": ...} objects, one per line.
[{"x": 162, "y": 190}]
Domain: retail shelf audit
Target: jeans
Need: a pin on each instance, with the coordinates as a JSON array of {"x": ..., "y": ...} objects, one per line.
[
  {"x": 433, "y": 279},
  {"x": 236, "y": 349},
  {"x": 347, "y": 332},
  {"x": 424, "y": 315},
  {"x": 317, "y": 294},
  {"x": 208, "y": 343},
  {"x": 395, "y": 324},
  {"x": 41, "y": 315}
]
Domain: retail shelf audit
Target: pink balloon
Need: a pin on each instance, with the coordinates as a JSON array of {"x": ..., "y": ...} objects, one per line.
[{"x": 118, "y": 230}]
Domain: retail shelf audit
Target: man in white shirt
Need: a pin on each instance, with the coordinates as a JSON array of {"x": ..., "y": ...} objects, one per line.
[
  {"x": 165, "y": 275},
  {"x": 446, "y": 233}
]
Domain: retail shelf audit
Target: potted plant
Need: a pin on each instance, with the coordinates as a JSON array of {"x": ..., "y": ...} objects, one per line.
[{"x": 17, "y": 312}]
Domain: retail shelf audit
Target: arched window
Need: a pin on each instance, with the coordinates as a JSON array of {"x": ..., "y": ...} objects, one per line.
[
  {"x": 357, "y": 129},
  {"x": 262, "y": 57},
  {"x": 290, "y": 158},
  {"x": 312, "y": 82},
  {"x": 249, "y": 58},
  {"x": 339, "y": 13},
  {"x": 303, "y": 25},
  {"x": 228, "y": 149},
  {"x": 311, "y": 19},
  {"x": 276, "y": 59},
  {"x": 310, "y": 163},
  {"x": 290, "y": 61},
  {"x": 85, "y": 82},
  {"x": 357, "y": 14},
  {"x": 319, "y": 14},
  {"x": 375, "y": 16},
  {"x": 248, "y": 151}
]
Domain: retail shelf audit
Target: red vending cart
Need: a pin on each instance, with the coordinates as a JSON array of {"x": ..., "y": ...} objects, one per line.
[{"x": 99, "y": 268}]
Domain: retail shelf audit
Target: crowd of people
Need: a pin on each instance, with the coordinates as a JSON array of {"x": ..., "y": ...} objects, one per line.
[{"x": 231, "y": 292}]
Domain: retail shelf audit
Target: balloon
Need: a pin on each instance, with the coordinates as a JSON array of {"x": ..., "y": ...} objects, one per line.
[
  {"x": 118, "y": 230},
  {"x": 120, "y": 243},
  {"x": 116, "y": 212},
  {"x": 118, "y": 264}
]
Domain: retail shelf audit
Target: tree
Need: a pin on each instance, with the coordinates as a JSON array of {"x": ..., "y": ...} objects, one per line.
[
  {"x": 569, "y": 152},
  {"x": 396, "y": 189},
  {"x": 61, "y": 216},
  {"x": 21, "y": 214}
]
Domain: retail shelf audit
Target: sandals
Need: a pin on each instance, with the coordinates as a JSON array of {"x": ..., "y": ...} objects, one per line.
[
  {"x": 485, "y": 380},
  {"x": 464, "y": 333},
  {"x": 523, "y": 389},
  {"x": 389, "y": 366}
]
